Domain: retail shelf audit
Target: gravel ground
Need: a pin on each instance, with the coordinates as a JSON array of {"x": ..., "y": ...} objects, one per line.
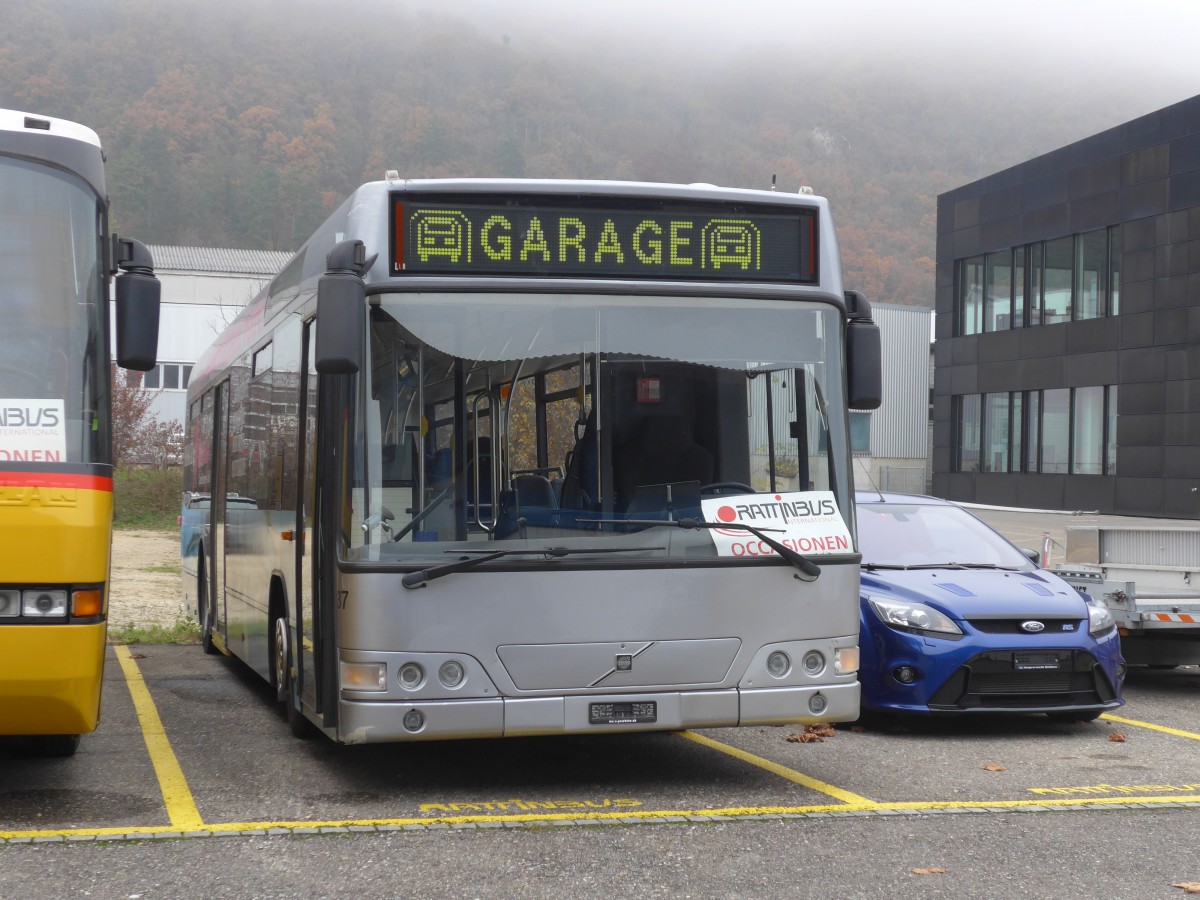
[{"x": 146, "y": 589}]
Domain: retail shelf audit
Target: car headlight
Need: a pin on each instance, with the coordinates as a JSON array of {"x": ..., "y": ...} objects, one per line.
[
  {"x": 1100, "y": 620},
  {"x": 914, "y": 617}
]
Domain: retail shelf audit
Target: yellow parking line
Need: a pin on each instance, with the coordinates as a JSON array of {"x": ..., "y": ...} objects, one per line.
[
  {"x": 1152, "y": 727},
  {"x": 782, "y": 771},
  {"x": 177, "y": 796}
]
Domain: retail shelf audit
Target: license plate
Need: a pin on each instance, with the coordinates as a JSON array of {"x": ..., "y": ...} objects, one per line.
[
  {"x": 623, "y": 713},
  {"x": 1035, "y": 661}
]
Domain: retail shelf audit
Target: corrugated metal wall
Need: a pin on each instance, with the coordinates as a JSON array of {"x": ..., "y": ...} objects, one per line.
[{"x": 900, "y": 427}]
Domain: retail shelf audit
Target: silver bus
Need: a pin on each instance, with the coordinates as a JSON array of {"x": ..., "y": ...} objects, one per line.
[{"x": 512, "y": 457}]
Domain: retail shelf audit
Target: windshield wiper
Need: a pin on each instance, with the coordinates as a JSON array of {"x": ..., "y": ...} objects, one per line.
[
  {"x": 809, "y": 571},
  {"x": 418, "y": 579}
]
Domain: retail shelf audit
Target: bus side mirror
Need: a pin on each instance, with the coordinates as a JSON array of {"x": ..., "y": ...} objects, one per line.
[
  {"x": 864, "y": 366},
  {"x": 341, "y": 311},
  {"x": 138, "y": 293}
]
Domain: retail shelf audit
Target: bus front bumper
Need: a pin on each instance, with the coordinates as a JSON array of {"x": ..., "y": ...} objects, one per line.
[
  {"x": 50, "y": 677},
  {"x": 362, "y": 722}
]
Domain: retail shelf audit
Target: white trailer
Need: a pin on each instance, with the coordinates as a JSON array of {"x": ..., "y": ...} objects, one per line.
[{"x": 1149, "y": 578}]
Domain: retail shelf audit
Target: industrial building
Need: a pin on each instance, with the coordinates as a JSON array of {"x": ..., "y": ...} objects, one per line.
[{"x": 1068, "y": 327}]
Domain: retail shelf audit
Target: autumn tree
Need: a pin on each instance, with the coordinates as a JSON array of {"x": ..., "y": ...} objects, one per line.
[{"x": 138, "y": 437}]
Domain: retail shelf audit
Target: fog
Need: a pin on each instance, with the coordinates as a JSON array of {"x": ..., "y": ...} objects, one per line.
[{"x": 1145, "y": 47}]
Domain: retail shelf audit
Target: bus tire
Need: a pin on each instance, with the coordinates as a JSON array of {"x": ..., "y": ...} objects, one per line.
[
  {"x": 47, "y": 746},
  {"x": 206, "y": 610},
  {"x": 284, "y": 682}
]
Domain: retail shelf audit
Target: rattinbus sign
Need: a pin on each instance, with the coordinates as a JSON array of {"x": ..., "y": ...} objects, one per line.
[
  {"x": 32, "y": 431},
  {"x": 808, "y": 522}
]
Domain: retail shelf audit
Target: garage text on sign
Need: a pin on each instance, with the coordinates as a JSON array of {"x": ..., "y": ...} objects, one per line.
[{"x": 550, "y": 236}]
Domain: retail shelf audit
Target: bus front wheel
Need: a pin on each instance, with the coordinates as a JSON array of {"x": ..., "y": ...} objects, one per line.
[
  {"x": 46, "y": 746},
  {"x": 285, "y": 682},
  {"x": 206, "y": 611}
]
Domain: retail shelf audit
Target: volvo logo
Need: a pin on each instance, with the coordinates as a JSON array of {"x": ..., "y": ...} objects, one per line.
[
  {"x": 1033, "y": 627},
  {"x": 624, "y": 662}
]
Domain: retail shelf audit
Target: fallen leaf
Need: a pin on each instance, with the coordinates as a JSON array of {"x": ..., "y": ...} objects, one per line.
[
  {"x": 806, "y": 737},
  {"x": 857, "y": 729},
  {"x": 813, "y": 734},
  {"x": 933, "y": 870},
  {"x": 1189, "y": 887},
  {"x": 1117, "y": 738},
  {"x": 994, "y": 767}
]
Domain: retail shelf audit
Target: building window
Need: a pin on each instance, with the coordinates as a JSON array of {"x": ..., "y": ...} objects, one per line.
[
  {"x": 1055, "y": 432},
  {"x": 1057, "y": 272},
  {"x": 969, "y": 301},
  {"x": 1076, "y": 277},
  {"x": 167, "y": 377},
  {"x": 263, "y": 361},
  {"x": 995, "y": 432},
  {"x": 966, "y": 430},
  {"x": 1087, "y": 431},
  {"x": 1114, "y": 270},
  {"x": 860, "y": 432},
  {"x": 997, "y": 308},
  {"x": 1091, "y": 274}
]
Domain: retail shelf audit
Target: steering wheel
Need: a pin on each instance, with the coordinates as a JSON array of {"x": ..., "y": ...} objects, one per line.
[{"x": 726, "y": 487}]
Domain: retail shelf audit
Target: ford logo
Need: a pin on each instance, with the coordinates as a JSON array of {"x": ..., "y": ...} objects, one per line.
[{"x": 1032, "y": 627}]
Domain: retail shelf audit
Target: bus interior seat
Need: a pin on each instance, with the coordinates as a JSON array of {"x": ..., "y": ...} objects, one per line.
[
  {"x": 534, "y": 490},
  {"x": 661, "y": 451},
  {"x": 579, "y": 489}
]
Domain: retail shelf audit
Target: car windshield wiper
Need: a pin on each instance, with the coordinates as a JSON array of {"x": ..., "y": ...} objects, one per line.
[
  {"x": 809, "y": 571},
  {"x": 949, "y": 565},
  {"x": 418, "y": 579}
]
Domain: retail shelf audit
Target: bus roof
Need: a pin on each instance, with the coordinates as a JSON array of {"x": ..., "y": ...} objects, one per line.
[{"x": 57, "y": 142}]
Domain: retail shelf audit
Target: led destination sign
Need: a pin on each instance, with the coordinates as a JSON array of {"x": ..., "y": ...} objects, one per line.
[{"x": 537, "y": 237}]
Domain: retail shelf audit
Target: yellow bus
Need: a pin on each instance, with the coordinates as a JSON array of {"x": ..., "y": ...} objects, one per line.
[{"x": 56, "y": 261}]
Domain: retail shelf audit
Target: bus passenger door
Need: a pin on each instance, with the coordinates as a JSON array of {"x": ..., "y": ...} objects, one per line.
[
  {"x": 217, "y": 512},
  {"x": 315, "y": 643}
]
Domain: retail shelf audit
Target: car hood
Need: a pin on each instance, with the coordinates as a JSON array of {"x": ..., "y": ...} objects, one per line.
[{"x": 980, "y": 593}]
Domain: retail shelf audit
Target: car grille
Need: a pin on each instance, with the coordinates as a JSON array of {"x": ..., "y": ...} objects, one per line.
[
  {"x": 996, "y": 679},
  {"x": 1013, "y": 626}
]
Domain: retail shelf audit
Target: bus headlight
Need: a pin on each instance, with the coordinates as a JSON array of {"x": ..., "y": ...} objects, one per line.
[
  {"x": 44, "y": 604},
  {"x": 411, "y": 676},
  {"x": 779, "y": 664},
  {"x": 10, "y": 603},
  {"x": 451, "y": 673}
]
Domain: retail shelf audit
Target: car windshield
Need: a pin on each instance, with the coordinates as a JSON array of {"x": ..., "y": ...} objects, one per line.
[
  {"x": 525, "y": 421},
  {"x": 927, "y": 534}
]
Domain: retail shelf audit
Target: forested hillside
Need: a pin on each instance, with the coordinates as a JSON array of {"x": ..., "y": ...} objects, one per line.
[{"x": 241, "y": 126}]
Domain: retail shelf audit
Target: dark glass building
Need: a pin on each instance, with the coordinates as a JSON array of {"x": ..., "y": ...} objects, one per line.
[{"x": 1068, "y": 327}]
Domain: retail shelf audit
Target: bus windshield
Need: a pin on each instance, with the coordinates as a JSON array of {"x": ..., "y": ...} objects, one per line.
[
  {"x": 51, "y": 376},
  {"x": 528, "y": 420}
]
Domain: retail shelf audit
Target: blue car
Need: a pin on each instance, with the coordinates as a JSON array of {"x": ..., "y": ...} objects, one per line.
[{"x": 955, "y": 619}]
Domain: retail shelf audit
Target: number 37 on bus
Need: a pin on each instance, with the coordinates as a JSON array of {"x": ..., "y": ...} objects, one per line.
[{"x": 503, "y": 457}]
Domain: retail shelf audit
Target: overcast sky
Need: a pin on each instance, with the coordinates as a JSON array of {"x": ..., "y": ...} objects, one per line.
[{"x": 1112, "y": 41}]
